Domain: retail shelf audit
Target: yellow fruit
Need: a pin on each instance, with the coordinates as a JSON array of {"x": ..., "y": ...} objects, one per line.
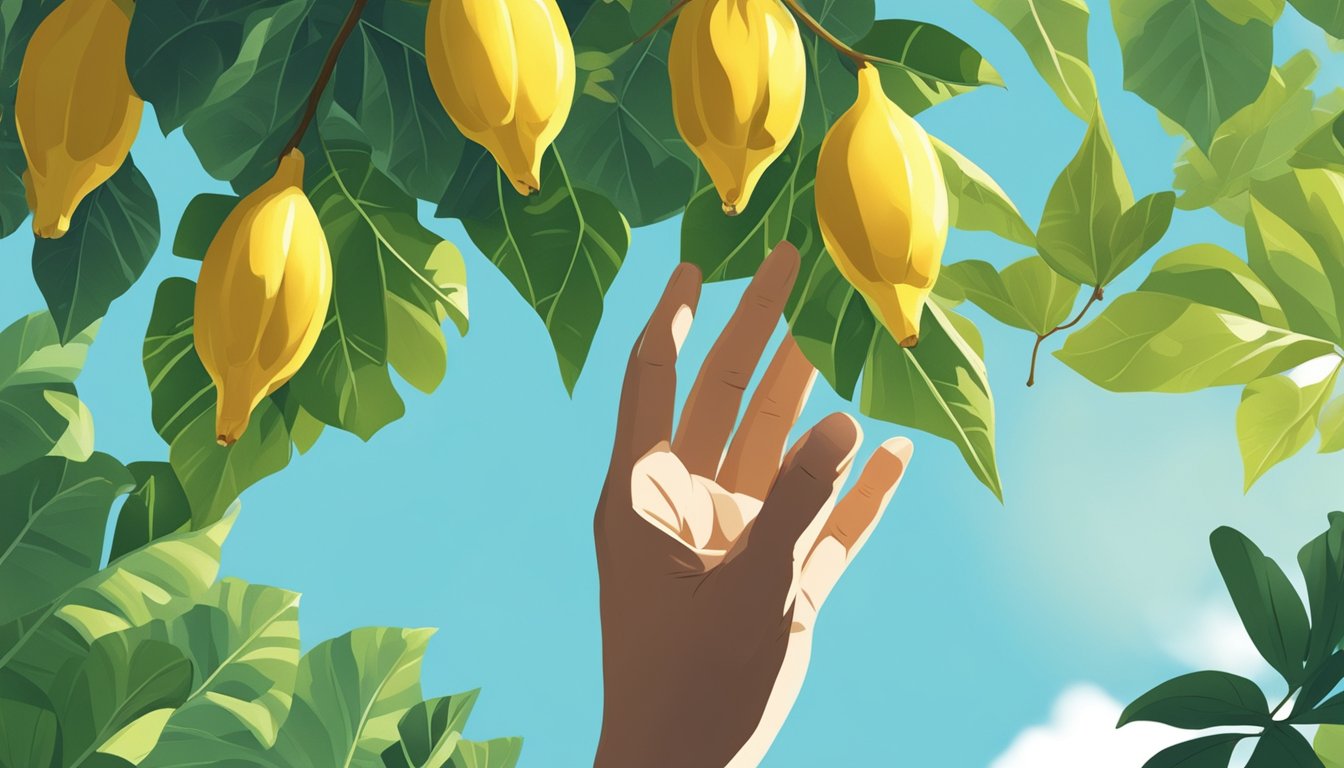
[
  {"x": 882, "y": 206},
  {"x": 262, "y": 297},
  {"x": 504, "y": 71},
  {"x": 738, "y": 75},
  {"x": 75, "y": 110}
]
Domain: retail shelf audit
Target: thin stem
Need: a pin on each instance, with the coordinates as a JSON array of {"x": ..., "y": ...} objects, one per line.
[
  {"x": 832, "y": 40},
  {"x": 323, "y": 76},
  {"x": 1036, "y": 349},
  {"x": 673, "y": 11}
]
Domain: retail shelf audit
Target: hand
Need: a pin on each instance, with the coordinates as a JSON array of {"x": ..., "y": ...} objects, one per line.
[{"x": 712, "y": 571}]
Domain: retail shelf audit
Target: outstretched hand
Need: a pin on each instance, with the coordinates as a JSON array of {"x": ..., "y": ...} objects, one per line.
[{"x": 713, "y": 565}]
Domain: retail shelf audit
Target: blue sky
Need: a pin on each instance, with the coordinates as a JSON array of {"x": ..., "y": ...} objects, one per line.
[{"x": 958, "y": 626}]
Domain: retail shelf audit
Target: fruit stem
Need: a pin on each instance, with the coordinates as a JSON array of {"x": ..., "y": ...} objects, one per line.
[
  {"x": 1040, "y": 337},
  {"x": 832, "y": 40},
  {"x": 673, "y": 11},
  {"x": 323, "y": 76}
]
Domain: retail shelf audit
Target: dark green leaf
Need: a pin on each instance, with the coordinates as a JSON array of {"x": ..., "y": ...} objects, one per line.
[
  {"x": 561, "y": 248},
  {"x": 1322, "y": 677},
  {"x": 31, "y": 736},
  {"x": 1326, "y": 14},
  {"x": 1200, "y": 700},
  {"x": 936, "y": 64},
  {"x": 1269, "y": 607},
  {"x": 201, "y": 221},
  {"x": 52, "y": 524},
  {"x": 114, "y": 233},
  {"x": 39, "y": 413},
  {"x": 156, "y": 507},
  {"x": 1197, "y": 66},
  {"x": 1204, "y": 752},
  {"x": 831, "y": 86},
  {"x": 429, "y": 732},
  {"x": 1153, "y": 342},
  {"x": 1054, "y": 34},
  {"x": 1282, "y": 746}
]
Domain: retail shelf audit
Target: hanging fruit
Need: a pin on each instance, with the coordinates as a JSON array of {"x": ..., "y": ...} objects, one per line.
[
  {"x": 504, "y": 71},
  {"x": 262, "y": 297},
  {"x": 738, "y": 75},
  {"x": 75, "y": 110},
  {"x": 882, "y": 206}
]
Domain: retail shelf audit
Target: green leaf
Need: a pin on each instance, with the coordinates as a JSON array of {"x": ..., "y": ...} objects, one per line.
[
  {"x": 1269, "y": 607},
  {"x": 1324, "y": 670},
  {"x": 495, "y": 753},
  {"x": 243, "y": 643},
  {"x": 429, "y": 732},
  {"x": 114, "y": 233},
  {"x": 1324, "y": 148},
  {"x": 940, "y": 386},
  {"x": 154, "y": 582},
  {"x": 122, "y": 679},
  {"x": 76, "y": 443},
  {"x": 1137, "y": 231},
  {"x": 1242, "y": 11},
  {"x": 351, "y": 693},
  {"x": 1028, "y": 294},
  {"x": 1326, "y": 14},
  {"x": 831, "y": 85},
  {"x": 156, "y": 507},
  {"x": 1282, "y": 746},
  {"x": 1054, "y": 34},
  {"x": 1331, "y": 424},
  {"x": 200, "y": 222},
  {"x": 1192, "y": 63},
  {"x": 183, "y": 411},
  {"x": 31, "y": 352},
  {"x": 1329, "y": 745},
  {"x": 1213, "y": 276},
  {"x": 31, "y": 734},
  {"x": 1322, "y": 564},
  {"x": 1200, "y": 700},
  {"x": 1204, "y": 752},
  {"x": 39, "y": 413},
  {"x": 235, "y": 77},
  {"x": 1277, "y": 415},
  {"x": 1256, "y": 143},
  {"x": 1084, "y": 206},
  {"x": 1153, "y": 342},
  {"x": 382, "y": 91},
  {"x": 976, "y": 202},
  {"x": 621, "y": 138},
  {"x": 935, "y": 64},
  {"x": 561, "y": 249},
  {"x": 1295, "y": 245},
  {"x": 51, "y": 528}
]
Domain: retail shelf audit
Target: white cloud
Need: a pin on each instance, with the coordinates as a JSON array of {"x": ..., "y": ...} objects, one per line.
[
  {"x": 1081, "y": 731},
  {"x": 1215, "y": 639}
]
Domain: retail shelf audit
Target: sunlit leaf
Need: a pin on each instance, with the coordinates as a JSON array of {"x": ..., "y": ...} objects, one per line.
[
  {"x": 1277, "y": 416},
  {"x": 1054, "y": 34}
]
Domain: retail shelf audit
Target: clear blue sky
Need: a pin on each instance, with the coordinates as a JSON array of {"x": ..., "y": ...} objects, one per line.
[{"x": 961, "y": 621}]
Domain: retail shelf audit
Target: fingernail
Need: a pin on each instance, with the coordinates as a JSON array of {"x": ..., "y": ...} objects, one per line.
[
  {"x": 901, "y": 448},
  {"x": 681, "y": 326}
]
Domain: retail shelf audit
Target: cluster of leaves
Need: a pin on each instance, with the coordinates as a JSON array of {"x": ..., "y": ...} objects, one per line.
[
  {"x": 147, "y": 659},
  {"x": 1300, "y": 642}
]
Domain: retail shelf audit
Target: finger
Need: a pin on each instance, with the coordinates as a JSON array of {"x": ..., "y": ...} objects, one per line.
[
  {"x": 711, "y": 409},
  {"x": 649, "y": 392},
  {"x": 754, "y": 456},
  {"x": 797, "y": 505},
  {"x": 851, "y": 523}
]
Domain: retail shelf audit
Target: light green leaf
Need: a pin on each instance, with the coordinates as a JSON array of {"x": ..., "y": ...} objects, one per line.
[
  {"x": 1137, "y": 231},
  {"x": 1083, "y": 208},
  {"x": 1154, "y": 342},
  {"x": 243, "y": 643},
  {"x": 1028, "y": 294},
  {"x": 1324, "y": 148},
  {"x": 1242, "y": 11},
  {"x": 351, "y": 693},
  {"x": 1278, "y": 414},
  {"x": 1329, "y": 745},
  {"x": 1192, "y": 63},
  {"x": 1331, "y": 424},
  {"x": 51, "y": 528},
  {"x": 496, "y": 753},
  {"x": 1326, "y": 14},
  {"x": 39, "y": 412},
  {"x": 183, "y": 411},
  {"x": 429, "y": 732},
  {"x": 621, "y": 137},
  {"x": 936, "y": 64},
  {"x": 121, "y": 679},
  {"x": 976, "y": 202},
  {"x": 76, "y": 443},
  {"x": 1211, "y": 275},
  {"x": 114, "y": 232},
  {"x": 1296, "y": 247},
  {"x": 1054, "y": 34},
  {"x": 1256, "y": 143},
  {"x": 561, "y": 249},
  {"x": 31, "y": 352}
]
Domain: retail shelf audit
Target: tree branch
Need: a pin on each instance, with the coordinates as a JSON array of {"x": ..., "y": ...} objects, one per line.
[
  {"x": 323, "y": 76},
  {"x": 835, "y": 42},
  {"x": 673, "y": 11},
  {"x": 1040, "y": 337}
]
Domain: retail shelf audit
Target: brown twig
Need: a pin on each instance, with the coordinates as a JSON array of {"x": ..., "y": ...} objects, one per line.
[
  {"x": 835, "y": 42},
  {"x": 328, "y": 66},
  {"x": 1040, "y": 337},
  {"x": 659, "y": 24}
]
